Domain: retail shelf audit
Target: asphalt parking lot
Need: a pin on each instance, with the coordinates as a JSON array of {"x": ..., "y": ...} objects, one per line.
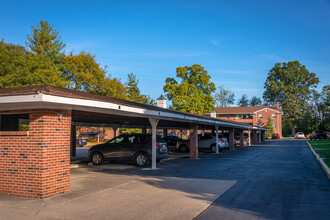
[{"x": 277, "y": 180}]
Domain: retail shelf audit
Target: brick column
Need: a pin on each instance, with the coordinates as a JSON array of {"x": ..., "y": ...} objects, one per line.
[
  {"x": 231, "y": 139},
  {"x": 73, "y": 141},
  {"x": 37, "y": 163},
  {"x": 241, "y": 138},
  {"x": 165, "y": 132},
  {"x": 263, "y": 138},
  {"x": 193, "y": 142},
  {"x": 254, "y": 137}
]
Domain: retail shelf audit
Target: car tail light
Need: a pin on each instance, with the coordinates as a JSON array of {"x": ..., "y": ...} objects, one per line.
[
  {"x": 157, "y": 144},
  {"x": 79, "y": 140},
  {"x": 221, "y": 140}
]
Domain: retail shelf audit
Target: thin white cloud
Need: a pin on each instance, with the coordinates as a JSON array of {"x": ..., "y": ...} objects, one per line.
[{"x": 215, "y": 42}]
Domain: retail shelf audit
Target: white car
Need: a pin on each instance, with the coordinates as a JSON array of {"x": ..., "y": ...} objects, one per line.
[
  {"x": 205, "y": 142},
  {"x": 299, "y": 135}
]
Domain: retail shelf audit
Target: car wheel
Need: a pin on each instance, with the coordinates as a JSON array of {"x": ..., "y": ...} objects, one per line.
[
  {"x": 141, "y": 159},
  {"x": 183, "y": 148},
  {"x": 97, "y": 158},
  {"x": 213, "y": 148}
]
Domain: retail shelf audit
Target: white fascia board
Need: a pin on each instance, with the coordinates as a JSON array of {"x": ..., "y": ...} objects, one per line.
[
  {"x": 139, "y": 112},
  {"x": 268, "y": 109},
  {"x": 20, "y": 99}
]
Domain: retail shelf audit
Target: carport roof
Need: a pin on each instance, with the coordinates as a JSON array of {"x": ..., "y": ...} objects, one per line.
[{"x": 87, "y": 102}]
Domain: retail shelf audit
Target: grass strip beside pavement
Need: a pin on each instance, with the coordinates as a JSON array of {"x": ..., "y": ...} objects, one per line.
[{"x": 322, "y": 147}]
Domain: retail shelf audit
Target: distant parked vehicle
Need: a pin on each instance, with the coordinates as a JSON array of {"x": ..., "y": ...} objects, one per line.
[
  {"x": 205, "y": 142},
  {"x": 81, "y": 142},
  {"x": 134, "y": 147},
  {"x": 171, "y": 142},
  {"x": 299, "y": 135},
  {"x": 318, "y": 135},
  {"x": 275, "y": 136}
]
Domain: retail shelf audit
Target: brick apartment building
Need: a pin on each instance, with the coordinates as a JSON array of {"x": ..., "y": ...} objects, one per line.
[{"x": 252, "y": 115}]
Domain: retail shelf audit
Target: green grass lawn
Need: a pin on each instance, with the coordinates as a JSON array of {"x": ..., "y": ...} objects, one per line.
[
  {"x": 287, "y": 138},
  {"x": 324, "y": 146}
]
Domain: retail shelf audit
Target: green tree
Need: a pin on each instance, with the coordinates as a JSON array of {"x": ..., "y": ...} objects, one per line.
[
  {"x": 85, "y": 74},
  {"x": 255, "y": 101},
  {"x": 243, "y": 101},
  {"x": 324, "y": 108},
  {"x": 290, "y": 84},
  {"x": 45, "y": 41},
  {"x": 19, "y": 68},
  {"x": 224, "y": 97},
  {"x": 134, "y": 93},
  {"x": 194, "y": 91},
  {"x": 270, "y": 126}
]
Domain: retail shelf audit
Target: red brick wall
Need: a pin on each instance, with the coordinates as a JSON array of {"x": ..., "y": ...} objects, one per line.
[
  {"x": 37, "y": 164},
  {"x": 256, "y": 120}
]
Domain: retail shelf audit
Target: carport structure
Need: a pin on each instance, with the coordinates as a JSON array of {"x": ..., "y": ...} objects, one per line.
[{"x": 36, "y": 163}]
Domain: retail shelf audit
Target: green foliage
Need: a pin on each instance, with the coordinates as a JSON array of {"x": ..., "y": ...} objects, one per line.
[
  {"x": 290, "y": 84},
  {"x": 224, "y": 97},
  {"x": 85, "y": 74},
  {"x": 20, "y": 68},
  {"x": 133, "y": 91},
  {"x": 270, "y": 126},
  {"x": 193, "y": 92},
  {"x": 45, "y": 41},
  {"x": 243, "y": 101},
  {"x": 255, "y": 101}
]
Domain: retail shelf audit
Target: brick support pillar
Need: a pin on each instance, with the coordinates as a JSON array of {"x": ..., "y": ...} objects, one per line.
[
  {"x": 193, "y": 142},
  {"x": 263, "y": 138},
  {"x": 165, "y": 132},
  {"x": 231, "y": 139},
  {"x": 241, "y": 138},
  {"x": 37, "y": 163},
  {"x": 254, "y": 137},
  {"x": 73, "y": 141}
]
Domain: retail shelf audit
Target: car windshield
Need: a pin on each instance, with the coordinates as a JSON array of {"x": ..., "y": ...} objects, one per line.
[{"x": 117, "y": 140}]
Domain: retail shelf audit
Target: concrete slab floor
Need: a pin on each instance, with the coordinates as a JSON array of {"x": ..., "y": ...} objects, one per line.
[{"x": 100, "y": 195}]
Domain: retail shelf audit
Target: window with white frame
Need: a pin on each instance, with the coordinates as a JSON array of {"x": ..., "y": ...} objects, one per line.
[
  {"x": 261, "y": 116},
  {"x": 273, "y": 115}
]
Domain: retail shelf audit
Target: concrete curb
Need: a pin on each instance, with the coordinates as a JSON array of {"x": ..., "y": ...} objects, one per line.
[{"x": 320, "y": 160}]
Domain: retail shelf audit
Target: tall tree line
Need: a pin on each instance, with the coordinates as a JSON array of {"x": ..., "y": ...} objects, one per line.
[{"x": 43, "y": 61}]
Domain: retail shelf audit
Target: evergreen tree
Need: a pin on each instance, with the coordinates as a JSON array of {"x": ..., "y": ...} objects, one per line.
[
  {"x": 255, "y": 101},
  {"x": 243, "y": 101},
  {"x": 45, "y": 41},
  {"x": 134, "y": 93},
  {"x": 270, "y": 126}
]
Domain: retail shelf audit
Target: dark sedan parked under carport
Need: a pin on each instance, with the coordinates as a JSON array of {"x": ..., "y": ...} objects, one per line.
[{"x": 133, "y": 147}]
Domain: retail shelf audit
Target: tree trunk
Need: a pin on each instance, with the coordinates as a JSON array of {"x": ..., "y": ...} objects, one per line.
[{"x": 293, "y": 129}]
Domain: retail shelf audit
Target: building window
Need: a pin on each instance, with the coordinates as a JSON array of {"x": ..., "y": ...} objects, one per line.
[
  {"x": 273, "y": 115},
  {"x": 260, "y": 116},
  {"x": 266, "y": 110},
  {"x": 274, "y": 125},
  {"x": 14, "y": 122},
  {"x": 227, "y": 117}
]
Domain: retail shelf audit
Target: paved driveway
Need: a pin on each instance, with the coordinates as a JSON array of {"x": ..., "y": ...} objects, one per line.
[{"x": 278, "y": 180}]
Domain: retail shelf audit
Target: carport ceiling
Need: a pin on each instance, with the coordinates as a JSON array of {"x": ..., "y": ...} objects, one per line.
[{"x": 100, "y": 119}]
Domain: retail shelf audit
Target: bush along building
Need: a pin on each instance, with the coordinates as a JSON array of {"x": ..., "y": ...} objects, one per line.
[{"x": 252, "y": 115}]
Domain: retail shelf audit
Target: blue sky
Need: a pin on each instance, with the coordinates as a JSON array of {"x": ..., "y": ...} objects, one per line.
[{"x": 237, "y": 42}]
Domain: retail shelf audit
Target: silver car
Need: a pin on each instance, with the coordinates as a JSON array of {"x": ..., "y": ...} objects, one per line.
[
  {"x": 299, "y": 135},
  {"x": 205, "y": 142}
]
